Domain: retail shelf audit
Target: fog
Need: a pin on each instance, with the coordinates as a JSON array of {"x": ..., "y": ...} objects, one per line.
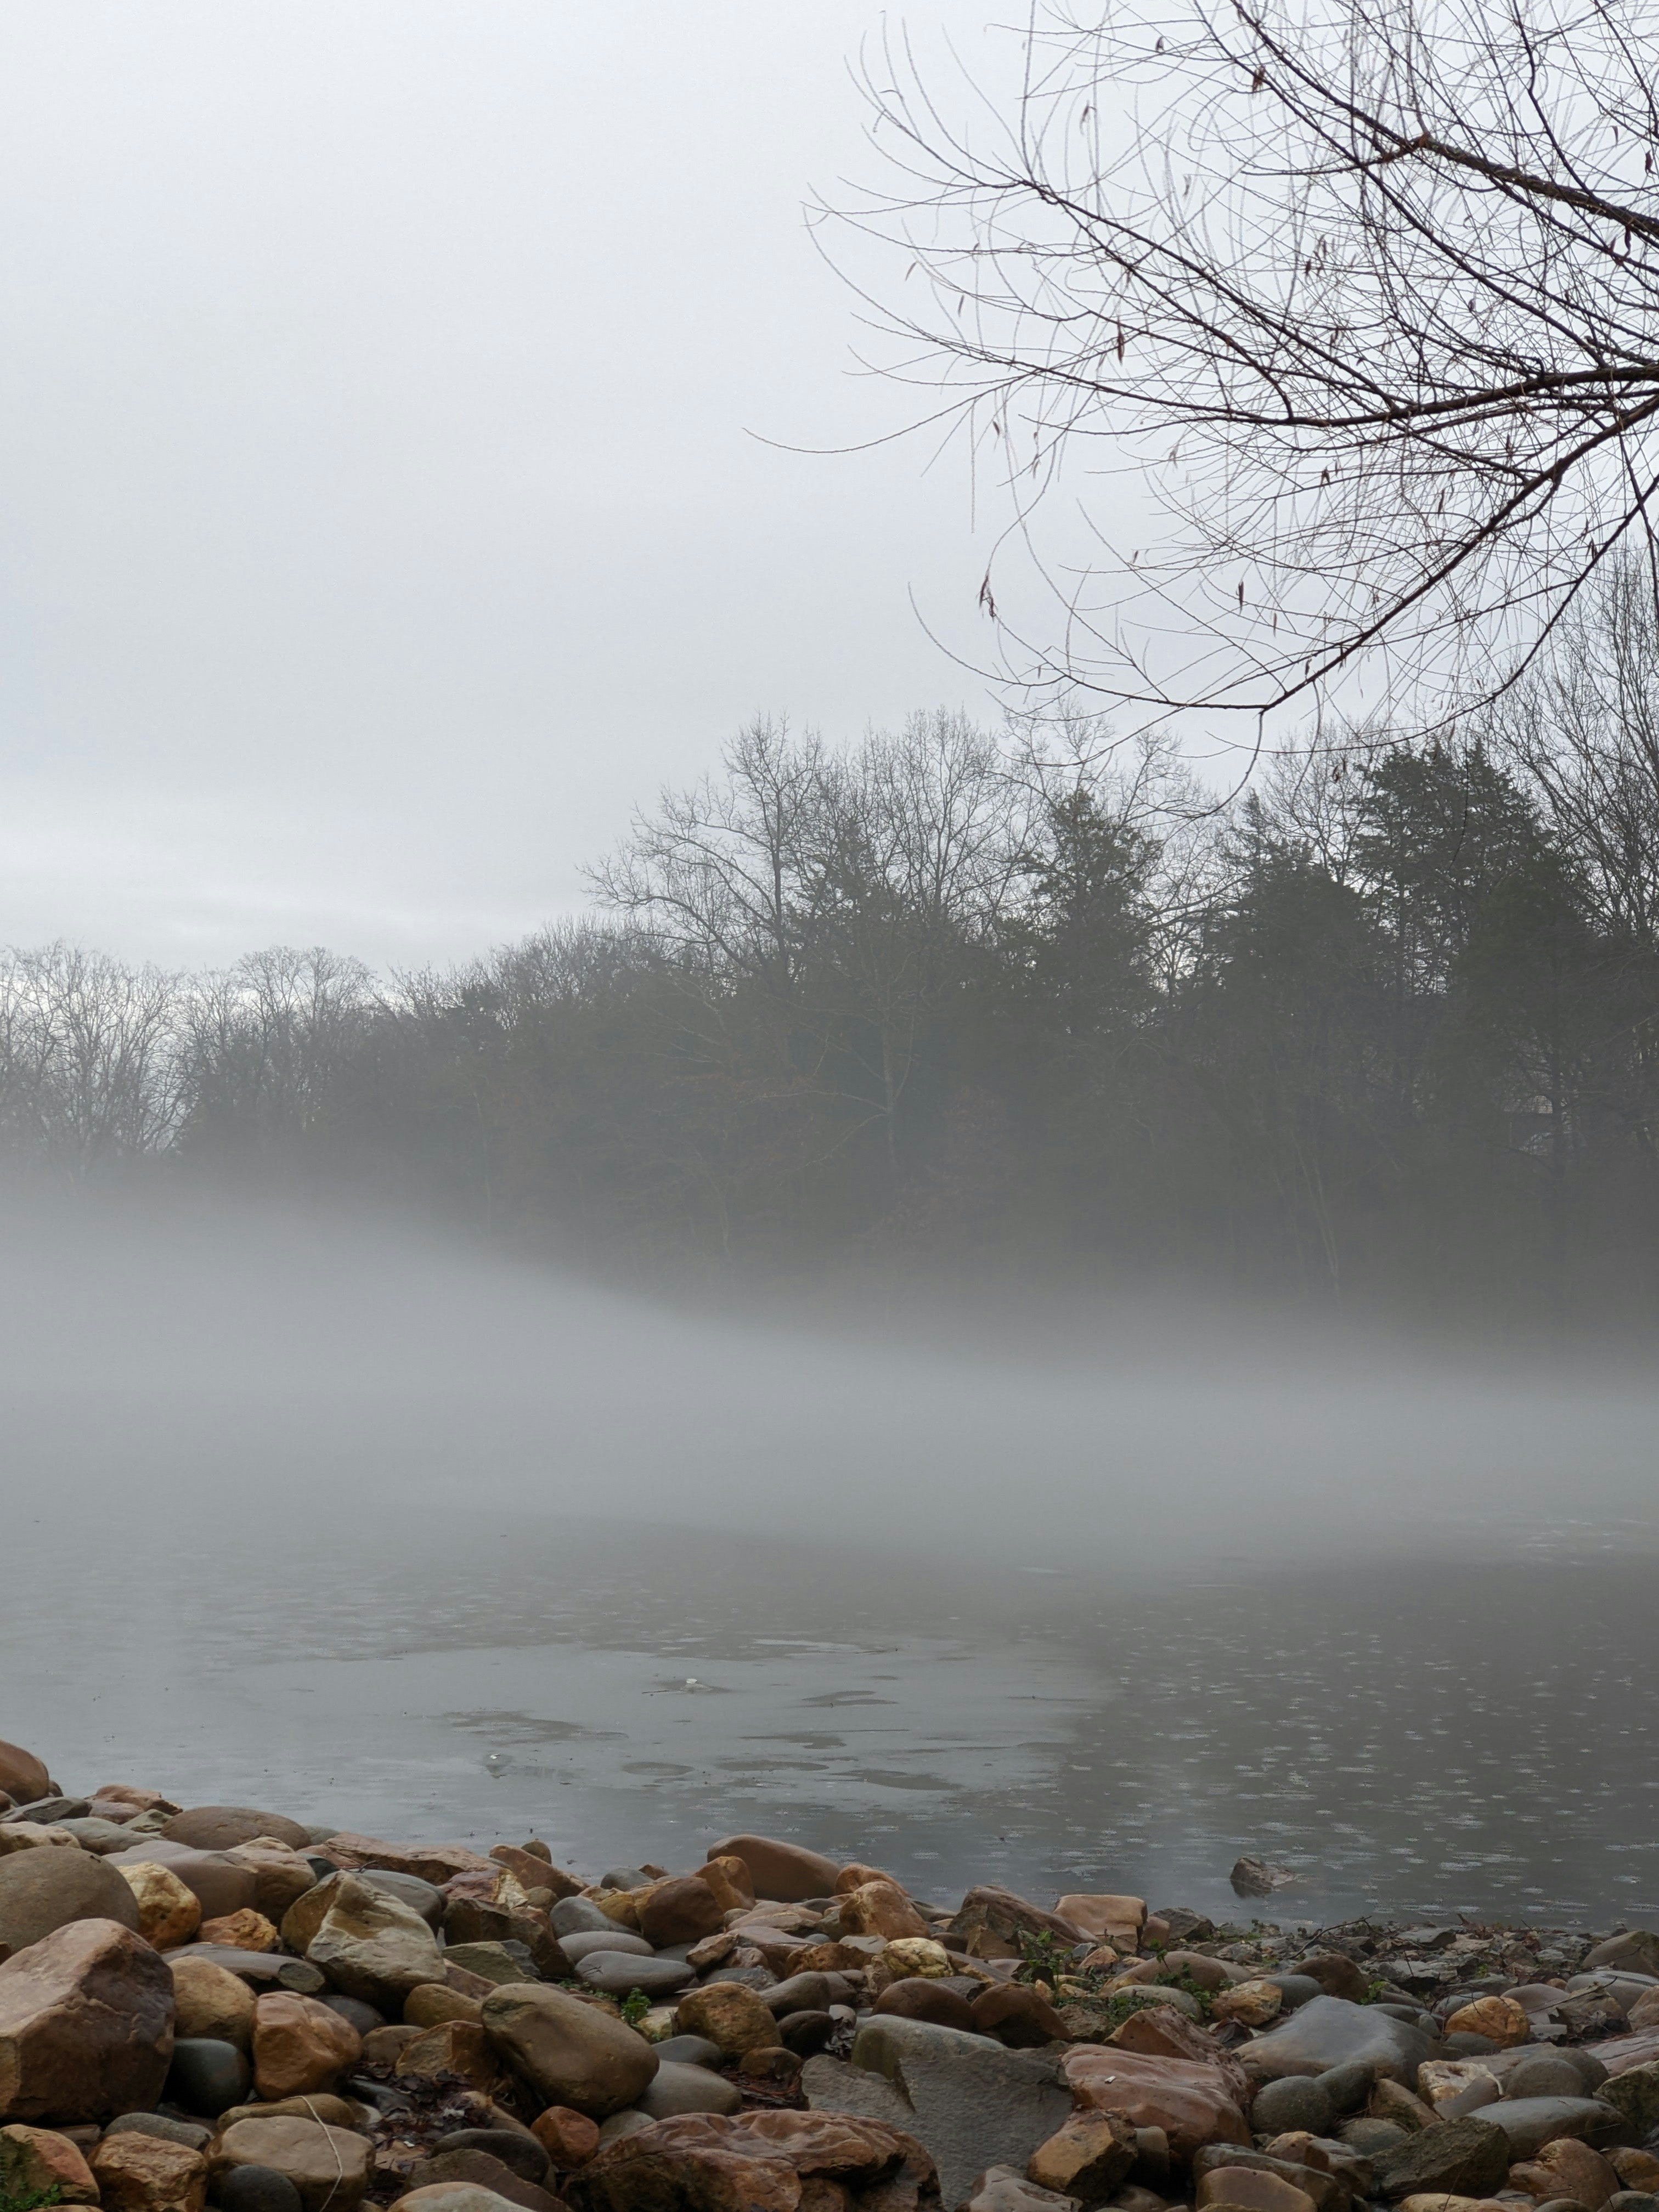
[{"x": 150, "y": 1363}]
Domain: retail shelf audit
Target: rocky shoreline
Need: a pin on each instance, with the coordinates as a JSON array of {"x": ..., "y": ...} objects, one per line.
[{"x": 219, "y": 2005}]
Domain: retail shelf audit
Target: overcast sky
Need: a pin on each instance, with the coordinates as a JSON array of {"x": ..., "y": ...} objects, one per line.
[{"x": 381, "y": 508}]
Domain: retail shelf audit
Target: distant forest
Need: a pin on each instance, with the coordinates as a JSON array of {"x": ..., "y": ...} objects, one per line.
[{"x": 1384, "y": 1028}]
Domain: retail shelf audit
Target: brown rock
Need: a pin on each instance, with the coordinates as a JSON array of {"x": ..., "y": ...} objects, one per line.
[
  {"x": 535, "y": 1872},
  {"x": 572, "y": 2053},
  {"x": 1636, "y": 2169},
  {"x": 221, "y": 1885},
  {"x": 729, "y": 1880},
  {"x": 282, "y": 1876},
  {"x": 856, "y": 1875},
  {"x": 1017, "y": 2016},
  {"x": 1252, "y": 2190},
  {"x": 1118, "y": 1921},
  {"x": 383, "y": 2046},
  {"x": 1165, "y": 2031},
  {"x": 35, "y": 2161},
  {"x": 1568, "y": 2168},
  {"x": 770, "y": 2161},
  {"x": 1087, "y": 2157},
  {"x": 210, "y": 2001},
  {"x": 22, "y": 1776},
  {"x": 784, "y": 1871},
  {"x": 300, "y": 2045},
  {"x": 246, "y": 1930},
  {"x": 569, "y": 2138},
  {"x": 431, "y": 2004},
  {"x": 918, "y": 1997},
  {"x": 1193, "y": 2101},
  {"x": 369, "y": 1943},
  {"x": 1393, "y": 2100},
  {"x": 477, "y": 2168},
  {"x": 991, "y": 1923},
  {"x": 169, "y": 1911},
  {"x": 1253, "y": 2004},
  {"x": 47, "y": 1888},
  {"x": 1337, "y": 1975},
  {"x": 135, "y": 1801},
  {"x": 880, "y": 1908},
  {"x": 459, "y": 2047},
  {"x": 831, "y": 1958},
  {"x": 1500, "y": 2019},
  {"x": 323, "y": 2106},
  {"x": 328, "y": 2165},
  {"x": 221, "y": 1827},
  {"x": 144, "y": 2174},
  {"x": 435, "y": 1863},
  {"x": 449, "y": 2196},
  {"x": 771, "y": 2062},
  {"x": 682, "y": 1911},
  {"x": 727, "y": 2014},
  {"x": 86, "y": 2024}
]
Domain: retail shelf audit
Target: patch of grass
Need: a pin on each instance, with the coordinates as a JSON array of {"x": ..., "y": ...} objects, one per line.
[
  {"x": 14, "y": 2196},
  {"x": 634, "y": 2009}
]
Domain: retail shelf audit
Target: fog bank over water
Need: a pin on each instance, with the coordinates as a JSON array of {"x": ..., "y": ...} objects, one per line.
[{"x": 214, "y": 1363}]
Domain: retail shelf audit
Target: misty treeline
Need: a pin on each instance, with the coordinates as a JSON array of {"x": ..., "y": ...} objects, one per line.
[{"x": 1385, "y": 1026}]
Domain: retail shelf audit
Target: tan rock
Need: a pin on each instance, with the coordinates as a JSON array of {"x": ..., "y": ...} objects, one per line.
[
  {"x": 1193, "y": 2101},
  {"x": 282, "y": 1876},
  {"x": 370, "y": 1944},
  {"x": 435, "y": 1863},
  {"x": 1105, "y": 1919},
  {"x": 1393, "y": 2100},
  {"x": 86, "y": 2024},
  {"x": 383, "y": 2046},
  {"x": 881, "y": 1908},
  {"x": 621, "y": 1905},
  {"x": 459, "y": 2047},
  {"x": 571, "y": 2052},
  {"x": 912, "y": 1958},
  {"x": 712, "y": 1950},
  {"x": 1087, "y": 2157},
  {"x": 1442, "y": 2081},
  {"x": 1499, "y": 2019},
  {"x": 168, "y": 1912},
  {"x": 1251, "y": 2192},
  {"x": 433, "y": 2003},
  {"x": 35, "y": 2161},
  {"x": 1165, "y": 2031},
  {"x": 143, "y": 2174},
  {"x": 1636, "y": 2169},
  {"x": 209, "y": 2000},
  {"x": 729, "y": 1880},
  {"x": 456, "y": 2196},
  {"x": 836, "y": 1958},
  {"x": 787, "y": 1872},
  {"x": 246, "y": 1930},
  {"x": 1567, "y": 2167},
  {"x": 328, "y": 2165},
  {"x": 729, "y": 2014},
  {"x": 1252, "y": 2003},
  {"x": 535, "y": 1871},
  {"x": 1337, "y": 1975},
  {"x": 1644, "y": 2013},
  {"x": 31, "y": 1835},
  {"x": 994, "y": 1923},
  {"x": 322, "y": 2106},
  {"x": 137, "y": 1801},
  {"x": 300, "y": 2045},
  {"x": 569, "y": 2138}
]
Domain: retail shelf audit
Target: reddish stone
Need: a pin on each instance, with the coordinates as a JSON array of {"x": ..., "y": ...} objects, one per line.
[
  {"x": 1017, "y": 2016},
  {"x": 785, "y": 1872},
  {"x": 220, "y": 1828},
  {"x": 569, "y": 2138},
  {"x": 22, "y": 1776},
  {"x": 916, "y": 1998},
  {"x": 682, "y": 1911},
  {"x": 86, "y": 2025}
]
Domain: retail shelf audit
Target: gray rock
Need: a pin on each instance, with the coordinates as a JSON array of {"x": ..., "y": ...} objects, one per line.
[
  {"x": 260, "y": 1969},
  {"x": 98, "y": 1837},
  {"x": 49, "y": 1887},
  {"x": 576, "y": 1947},
  {"x": 1463, "y": 2158},
  {"x": 1545, "y": 2074},
  {"x": 689, "y": 2051},
  {"x": 674, "y": 2089},
  {"x": 370, "y": 1944},
  {"x": 626, "y": 1878},
  {"x": 1348, "y": 2086},
  {"x": 806, "y": 2033},
  {"x": 579, "y": 1915},
  {"x": 190, "y": 2133},
  {"x": 499, "y": 1963},
  {"x": 1330, "y": 2032},
  {"x": 256, "y": 2189},
  {"x": 627, "y": 2123},
  {"x": 521, "y": 2153},
  {"x": 355, "y": 2013},
  {"x": 1297, "y": 1990},
  {"x": 970, "y": 2103},
  {"x": 1004, "y": 2189},
  {"x": 48, "y": 1812},
  {"x": 1631, "y": 2200},
  {"x": 614, "y": 1973},
  {"x": 572, "y": 2053},
  {"x": 1634, "y": 2093},
  {"x": 1528, "y": 2122},
  {"x": 800, "y": 1993},
  {"x": 1636, "y": 1947},
  {"x": 1296, "y": 2101},
  {"x": 207, "y": 2076},
  {"x": 422, "y": 1897},
  {"x": 1371, "y": 2138}
]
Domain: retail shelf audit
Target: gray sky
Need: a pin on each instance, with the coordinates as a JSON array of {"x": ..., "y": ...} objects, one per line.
[{"x": 378, "y": 516}]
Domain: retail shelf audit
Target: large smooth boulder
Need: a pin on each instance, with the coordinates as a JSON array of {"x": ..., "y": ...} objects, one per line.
[
  {"x": 786, "y": 1873},
  {"x": 571, "y": 2053},
  {"x": 22, "y": 1776},
  {"x": 328, "y": 2165},
  {"x": 221, "y": 1827},
  {"x": 369, "y": 1944},
  {"x": 42, "y": 1890},
  {"x": 86, "y": 2024},
  {"x": 1194, "y": 2101},
  {"x": 1331, "y": 2032},
  {"x": 968, "y": 2102},
  {"x": 1634, "y": 1948},
  {"x": 682, "y": 1911}
]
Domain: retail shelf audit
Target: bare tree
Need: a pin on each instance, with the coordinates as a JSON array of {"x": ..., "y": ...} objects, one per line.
[
  {"x": 1339, "y": 323},
  {"x": 89, "y": 1066}
]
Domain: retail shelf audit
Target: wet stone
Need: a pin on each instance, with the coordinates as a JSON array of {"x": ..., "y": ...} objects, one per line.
[{"x": 208, "y": 2076}]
